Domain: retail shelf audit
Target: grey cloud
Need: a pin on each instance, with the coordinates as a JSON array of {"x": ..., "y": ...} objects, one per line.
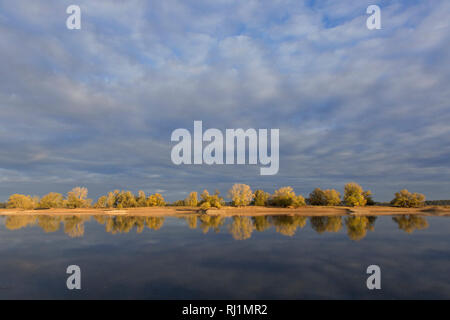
[{"x": 97, "y": 107}]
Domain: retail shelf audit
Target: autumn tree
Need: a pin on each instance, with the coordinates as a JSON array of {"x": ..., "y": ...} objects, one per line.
[
  {"x": 285, "y": 197},
  {"x": 241, "y": 195},
  {"x": 125, "y": 199},
  {"x": 156, "y": 200},
  {"x": 191, "y": 200},
  {"x": 51, "y": 200},
  {"x": 369, "y": 199},
  {"x": 141, "y": 199},
  {"x": 21, "y": 201},
  {"x": 261, "y": 198},
  {"x": 178, "y": 203},
  {"x": 354, "y": 195},
  {"x": 406, "y": 199},
  {"x": 329, "y": 197},
  {"x": 317, "y": 197},
  {"x": 209, "y": 201},
  {"x": 77, "y": 198},
  {"x": 111, "y": 199},
  {"x": 101, "y": 202}
]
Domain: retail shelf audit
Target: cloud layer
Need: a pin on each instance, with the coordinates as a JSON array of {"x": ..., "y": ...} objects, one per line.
[{"x": 96, "y": 106}]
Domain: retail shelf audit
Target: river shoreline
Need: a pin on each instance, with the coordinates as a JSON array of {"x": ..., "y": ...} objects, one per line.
[{"x": 243, "y": 211}]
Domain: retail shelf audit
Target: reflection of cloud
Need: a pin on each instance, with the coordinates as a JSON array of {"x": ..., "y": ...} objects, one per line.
[
  {"x": 97, "y": 107},
  {"x": 177, "y": 262}
]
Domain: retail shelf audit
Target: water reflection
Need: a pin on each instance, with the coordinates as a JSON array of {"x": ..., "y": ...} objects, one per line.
[
  {"x": 240, "y": 227},
  {"x": 411, "y": 223},
  {"x": 357, "y": 227}
]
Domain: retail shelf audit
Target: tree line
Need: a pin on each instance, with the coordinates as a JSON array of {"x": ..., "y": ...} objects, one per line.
[{"x": 240, "y": 195}]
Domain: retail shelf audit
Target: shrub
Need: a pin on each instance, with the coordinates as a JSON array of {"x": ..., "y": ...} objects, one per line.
[{"x": 406, "y": 199}]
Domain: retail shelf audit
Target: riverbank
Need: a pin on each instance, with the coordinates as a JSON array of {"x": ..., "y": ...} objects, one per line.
[{"x": 243, "y": 211}]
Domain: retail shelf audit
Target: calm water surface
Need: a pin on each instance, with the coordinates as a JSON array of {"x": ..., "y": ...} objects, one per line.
[{"x": 204, "y": 257}]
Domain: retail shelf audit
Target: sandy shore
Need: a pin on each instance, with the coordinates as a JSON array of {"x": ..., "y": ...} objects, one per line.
[{"x": 244, "y": 211}]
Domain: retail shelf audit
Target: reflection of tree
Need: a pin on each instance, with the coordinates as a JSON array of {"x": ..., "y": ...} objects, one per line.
[
  {"x": 357, "y": 226},
  {"x": 261, "y": 223},
  {"x": 326, "y": 224},
  {"x": 49, "y": 223},
  {"x": 19, "y": 222},
  {"x": 154, "y": 223},
  {"x": 411, "y": 223},
  {"x": 74, "y": 226},
  {"x": 214, "y": 222},
  {"x": 241, "y": 228},
  {"x": 287, "y": 225},
  {"x": 101, "y": 219},
  {"x": 123, "y": 224},
  {"x": 191, "y": 221}
]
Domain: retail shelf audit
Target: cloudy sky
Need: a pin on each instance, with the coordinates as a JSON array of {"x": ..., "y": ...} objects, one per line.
[{"x": 96, "y": 107}]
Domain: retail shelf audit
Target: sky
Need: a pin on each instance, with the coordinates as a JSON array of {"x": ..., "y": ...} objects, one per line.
[{"x": 96, "y": 107}]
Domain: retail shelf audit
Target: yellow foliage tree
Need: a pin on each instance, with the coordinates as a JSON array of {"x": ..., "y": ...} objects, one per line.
[
  {"x": 261, "y": 198},
  {"x": 406, "y": 199},
  {"x": 51, "y": 200},
  {"x": 191, "y": 200},
  {"x": 354, "y": 195},
  {"x": 156, "y": 200},
  {"x": 285, "y": 197},
  {"x": 77, "y": 198},
  {"x": 21, "y": 201},
  {"x": 240, "y": 194}
]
